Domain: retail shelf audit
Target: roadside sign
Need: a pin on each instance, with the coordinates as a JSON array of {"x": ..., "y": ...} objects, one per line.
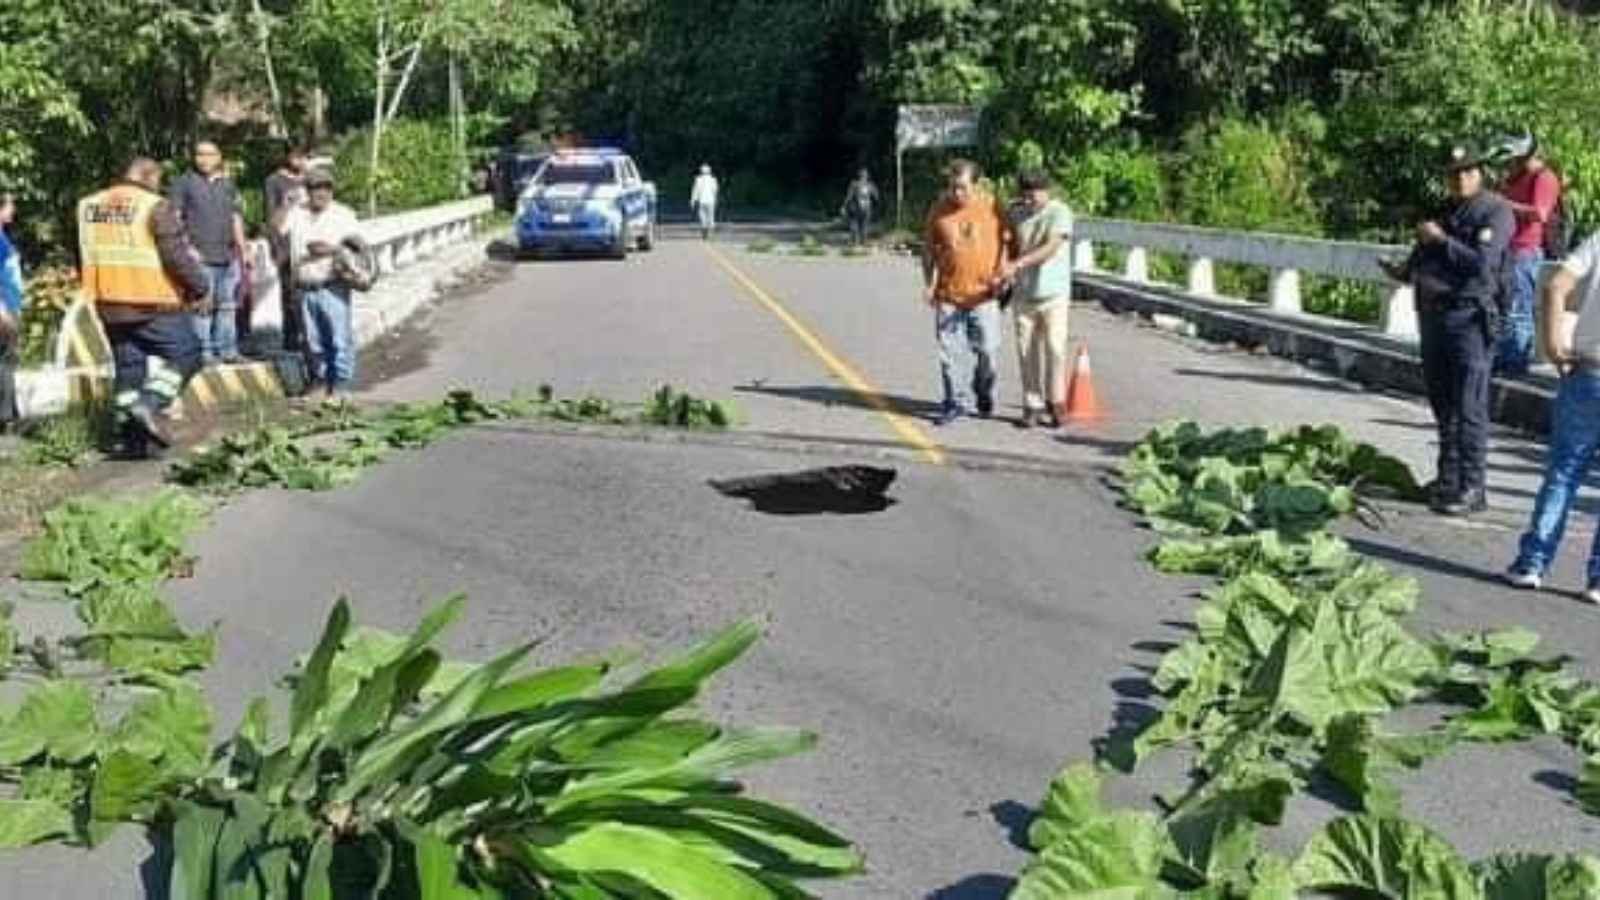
[
  {"x": 929, "y": 126},
  {"x": 937, "y": 125}
]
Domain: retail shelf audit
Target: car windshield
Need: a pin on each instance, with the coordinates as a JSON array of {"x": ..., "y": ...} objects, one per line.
[{"x": 578, "y": 173}]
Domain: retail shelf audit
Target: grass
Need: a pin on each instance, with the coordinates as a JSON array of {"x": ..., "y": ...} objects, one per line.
[{"x": 761, "y": 245}]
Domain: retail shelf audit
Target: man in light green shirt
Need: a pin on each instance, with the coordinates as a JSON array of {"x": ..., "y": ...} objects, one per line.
[{"x": 1041, "y": 275}]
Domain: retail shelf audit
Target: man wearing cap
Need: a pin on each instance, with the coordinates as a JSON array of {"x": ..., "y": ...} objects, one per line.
[
  {"x": 1455, "y": 268},
  {"x": 315, "y": 232},
  {"x": 1533, "y": 192}
]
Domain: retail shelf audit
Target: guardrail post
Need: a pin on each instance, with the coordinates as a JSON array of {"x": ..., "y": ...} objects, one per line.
[
  {"x": 1083, "y": 255},
  {"x": 1283, "y": 293},
  {"x": 1400, "y": 313},
  {"x": 1137, "y": 266},
  {"x": 1202, "y": 277},
  {"x": 385, "y": 254},
  {"x": 405, "y": 252}
]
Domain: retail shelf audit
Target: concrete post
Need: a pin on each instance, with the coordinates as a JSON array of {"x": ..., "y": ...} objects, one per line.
[
  {"x": 1283, "y": 293},
  {"x": 1400, "y": 313},
  {"x": 1083, "y": 255},
  {"x": 1137, "y": 265},
  {"x": 1202, "y": 278},
  {"x": 385, "y": 254},
  {"x": 405, "y": 251}
]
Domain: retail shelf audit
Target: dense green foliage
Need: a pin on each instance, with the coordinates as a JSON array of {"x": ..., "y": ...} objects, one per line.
[
  {"x": 1310, "y": 116},
  {"x": 1299, "y": 655}
]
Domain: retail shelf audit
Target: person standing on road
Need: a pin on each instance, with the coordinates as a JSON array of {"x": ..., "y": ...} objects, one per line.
[
  {"x": 209, "y": 204},
  {"x": 1533, "y": 191},
  {"x": 1041, "y": 295},
  {"x": 860, "y": 201},
  {"x": 703, "y": 200},
  {"x": 286, "y": 189},
  {"x": 1456, "y": 268},
  {"x": 964, "y": 257},
  {"x": 145, "y": 281},
  {"x": 11, "y": 297},
  {"x": 1575, "y": 426},
  {"x": 316, "y": 232}
]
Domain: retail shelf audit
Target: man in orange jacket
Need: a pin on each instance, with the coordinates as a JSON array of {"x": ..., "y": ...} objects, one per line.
[
  {"x": 965, "y": 251},
  {"x": 144, "y": 281}
]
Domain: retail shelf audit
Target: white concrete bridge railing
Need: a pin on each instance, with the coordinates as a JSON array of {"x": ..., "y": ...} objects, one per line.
[{"x": 1285, "y": 257}]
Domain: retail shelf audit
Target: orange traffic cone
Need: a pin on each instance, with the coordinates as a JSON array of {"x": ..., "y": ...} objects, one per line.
[{"x": 1082, "y": 403}]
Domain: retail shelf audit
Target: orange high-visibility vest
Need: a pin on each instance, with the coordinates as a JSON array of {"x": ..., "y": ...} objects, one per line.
[{"x": 117, "y": 240}]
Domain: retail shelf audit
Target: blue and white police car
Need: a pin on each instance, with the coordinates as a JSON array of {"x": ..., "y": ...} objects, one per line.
[{"x": 591, "y": 199}]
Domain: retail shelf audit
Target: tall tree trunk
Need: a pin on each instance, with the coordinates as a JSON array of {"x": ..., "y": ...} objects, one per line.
[
  {"x": 263, "y": 37},
  {"x": 382, "y": 69}
]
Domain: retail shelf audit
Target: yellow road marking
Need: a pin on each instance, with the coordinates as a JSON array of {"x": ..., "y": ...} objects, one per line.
[{"x": 910, "y": 431}]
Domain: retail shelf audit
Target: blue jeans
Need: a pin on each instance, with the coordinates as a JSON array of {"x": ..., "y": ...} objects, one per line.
[
  {"x": 1514, "y": 353},
  {"x": 1574, "y": 436},
  {"x": 330, "y": 334},
  {"x": 218, "y": 333},
  {"x": 969, "y": 342}
]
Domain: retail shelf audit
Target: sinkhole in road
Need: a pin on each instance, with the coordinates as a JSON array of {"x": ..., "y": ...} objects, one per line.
[{"x": 841, "y": 490}]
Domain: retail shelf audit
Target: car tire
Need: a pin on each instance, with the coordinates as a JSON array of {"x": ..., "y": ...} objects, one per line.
[
  {"x": 624, "y": 240},
  {"x": 647, "y": 241}
]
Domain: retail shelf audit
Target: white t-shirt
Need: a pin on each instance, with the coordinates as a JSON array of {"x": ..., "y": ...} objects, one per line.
[
  {"x": 331, "y": 226},
  {"x": 704, "y": 192}
]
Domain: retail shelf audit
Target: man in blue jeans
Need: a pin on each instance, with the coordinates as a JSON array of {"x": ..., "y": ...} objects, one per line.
[
  {"x": 208, "y": 203},
  {"x": 1533, "y": 191},
  {"x": 1575, "y": 431},
  {"x": 316, "y": 231}
]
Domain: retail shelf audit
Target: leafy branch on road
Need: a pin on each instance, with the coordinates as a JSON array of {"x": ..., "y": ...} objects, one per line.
[
  {"x": 397, "y": 780},
  {"x": 1298, "y": 656},
  {"x": 338, "y": 442}
]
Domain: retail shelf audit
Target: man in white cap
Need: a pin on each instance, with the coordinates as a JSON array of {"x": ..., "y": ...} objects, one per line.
[{"x": 703, "y": 200}]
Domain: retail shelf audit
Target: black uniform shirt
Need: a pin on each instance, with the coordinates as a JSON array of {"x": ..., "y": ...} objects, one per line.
[{"x": 1465, "y": 266}]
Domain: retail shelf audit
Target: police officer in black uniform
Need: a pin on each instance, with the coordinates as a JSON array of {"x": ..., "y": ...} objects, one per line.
[{"x": 1456, "y": 268}]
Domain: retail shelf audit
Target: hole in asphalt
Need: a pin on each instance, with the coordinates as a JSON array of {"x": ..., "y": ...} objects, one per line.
[{"x": 845, "y": 490}]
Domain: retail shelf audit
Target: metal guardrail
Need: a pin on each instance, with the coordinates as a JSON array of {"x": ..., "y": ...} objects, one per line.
[{"x": 1284, "y": 256}]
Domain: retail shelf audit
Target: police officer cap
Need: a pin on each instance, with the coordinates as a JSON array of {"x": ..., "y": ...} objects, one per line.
[{"x": 1464, "y": 156}]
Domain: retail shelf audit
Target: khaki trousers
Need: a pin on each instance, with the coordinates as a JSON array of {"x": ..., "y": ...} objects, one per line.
[{"x": 1042, "y": 346}]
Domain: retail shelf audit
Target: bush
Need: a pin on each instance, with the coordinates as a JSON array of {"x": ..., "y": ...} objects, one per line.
[
  {"x": 1247, "y": 175},
  {"x": 50, "y": 291},
  {"x": 420, "y": 167},
  {"x": 1118, "y": 183}
]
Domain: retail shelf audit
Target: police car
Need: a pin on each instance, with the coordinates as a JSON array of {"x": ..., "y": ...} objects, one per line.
[{"x": 587, "y": 200}]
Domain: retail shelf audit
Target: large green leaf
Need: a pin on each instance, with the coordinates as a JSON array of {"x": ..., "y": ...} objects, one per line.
[
  {"x": 26, "y": 822},
  {"x": 388, "y": 757},
  {"x": 540, "y": 689},
  {"x": 1391, "y": 858},
  {"x": 311, "y": 690},
  {"x": 125, "y": 785},
  {"x": 195, "y": 830},
  {"x": 1521, "y": 876},
  {"x": 1073, "y": 798},
  {"x": 1114, "y": 857},
  {"x": 56, "y": 718},
  {"x": 705, "y": 659},
  {"x": 171, "y": 727},
  {"x": 731, "y": 751},
  {"x": 1362, "y": 759},
  {"x": 675, "y": 869}
]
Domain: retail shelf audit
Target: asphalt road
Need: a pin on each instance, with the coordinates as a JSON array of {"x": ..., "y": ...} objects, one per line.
[{"x": 952, "y": 650}]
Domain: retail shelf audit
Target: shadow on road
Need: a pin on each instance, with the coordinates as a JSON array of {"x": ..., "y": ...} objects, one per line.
[
  {"x": 1421, "y": 561},
  {"x": 1294, "y": 381},
  {"x": 1015, "y": 818},
  {"x": 977, "y": 887},
  {"x": 836, "y": 396}
]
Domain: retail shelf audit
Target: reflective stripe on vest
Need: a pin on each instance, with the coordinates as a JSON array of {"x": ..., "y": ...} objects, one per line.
[{"x": 117, "y": 240}]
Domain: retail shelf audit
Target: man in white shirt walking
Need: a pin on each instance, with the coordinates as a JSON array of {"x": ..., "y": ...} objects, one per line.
[
  {"x": 703, "y": 200},
  {"x": 315, "y": 232},
  {"x": 1575, "y": 424}
]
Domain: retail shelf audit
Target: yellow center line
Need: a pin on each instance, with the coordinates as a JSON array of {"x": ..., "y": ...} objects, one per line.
[{"x": 910, "y": 431}]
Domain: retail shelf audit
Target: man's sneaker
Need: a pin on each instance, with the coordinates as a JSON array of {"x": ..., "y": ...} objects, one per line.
[
  {"x": 150, "y": 423},
  {"x": 945, "y": 417},
  {"x": 1591, "y": 594},
  {"x": 985, "y": 407},
  {"x": 1524, "y": 579},
  {"x": 1464, "y": 505},
  {"x": 1030, "y": 418}
]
